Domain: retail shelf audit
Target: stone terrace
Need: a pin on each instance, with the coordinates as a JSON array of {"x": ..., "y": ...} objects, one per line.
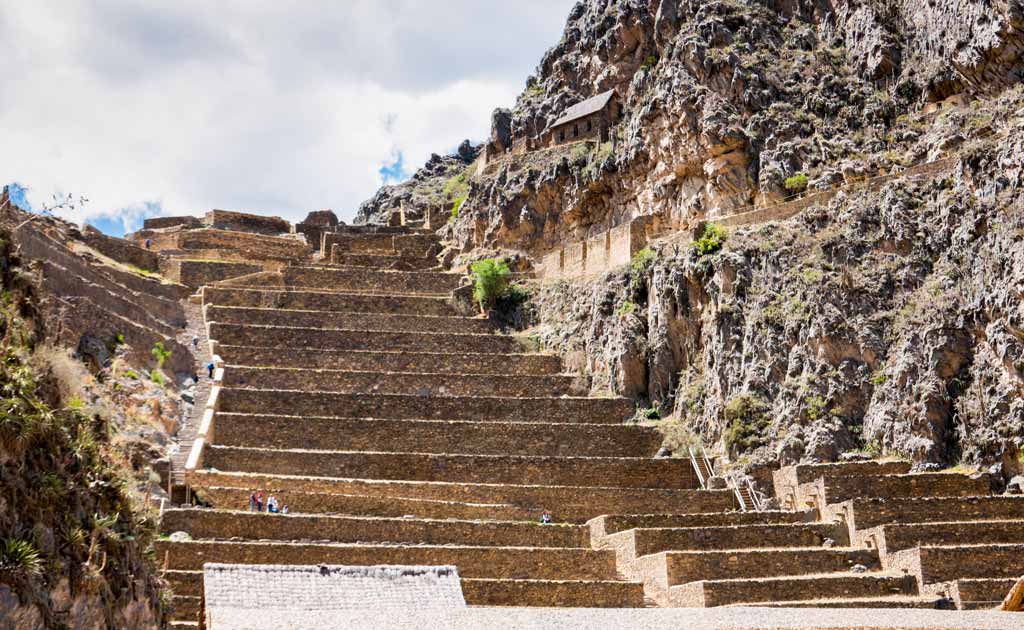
[
  {"x": 398, "y": 430},
  {"x": 935, "y": 540}
]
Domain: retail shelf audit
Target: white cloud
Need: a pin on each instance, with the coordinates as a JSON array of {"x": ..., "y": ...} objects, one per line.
[{"x": 262, "y": 106}]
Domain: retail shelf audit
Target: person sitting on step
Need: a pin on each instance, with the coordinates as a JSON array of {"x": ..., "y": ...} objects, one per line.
[
  {"x": 545, "y": 518},
  {"x": 272, "y": 504}
]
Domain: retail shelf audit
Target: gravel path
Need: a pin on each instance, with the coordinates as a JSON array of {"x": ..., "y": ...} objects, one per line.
[{"x": 623, "y": 619}]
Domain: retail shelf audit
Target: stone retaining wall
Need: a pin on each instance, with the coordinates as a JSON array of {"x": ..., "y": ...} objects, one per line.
[
  {"x": 838, "y": 489},
  {"x": 252, "y": 246},
  {"x": 485, "y": 438},
  {"x": 369, "y": 361},
  {"x": 198, "y": 273},
  {"x": 479, "y": 562},
  {"x": 284, "y": 337},
  {"x": 412, "y": 245},
  {"x": 366, "y": 279},
  {"x": 350, "y": 321},
  {"x": 220, "y": 524},
  {"x": 605, "y": 594},
  {"x": 120, "y": 250},
  {"x": 518, "y": 470},
  {"x": 860, "y": 514},
  {"x": 603, "y": 526},
  {"x": 243, "y": 222},
  {"x": 320, "y": 503},
  {"x": 898, "y": 536},
  {"x": 589, "y": 410},
  {"x": 318, "y": 301},
  {"x": 934, "y": 564},
  {"x": 572, "y": 504},
  {"x": 159, "y": 223},
  {"x": 436, "y": 384}
]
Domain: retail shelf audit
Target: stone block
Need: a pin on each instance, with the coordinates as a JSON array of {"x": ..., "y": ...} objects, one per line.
[{"x": 345, "y": 320}]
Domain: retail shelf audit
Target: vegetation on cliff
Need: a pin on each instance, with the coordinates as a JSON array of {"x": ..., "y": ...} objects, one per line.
[{"x": 73, "y": 541}]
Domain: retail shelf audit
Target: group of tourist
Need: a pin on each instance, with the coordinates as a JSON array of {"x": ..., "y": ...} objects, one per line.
[{"x": 273, "y": 507}]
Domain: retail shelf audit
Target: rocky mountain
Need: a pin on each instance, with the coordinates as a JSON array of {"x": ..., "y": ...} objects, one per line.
[{"x": 888, "y": 321}]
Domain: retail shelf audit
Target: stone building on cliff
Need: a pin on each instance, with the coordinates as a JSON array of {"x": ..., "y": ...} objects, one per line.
[{"x": 590, "y": 119}]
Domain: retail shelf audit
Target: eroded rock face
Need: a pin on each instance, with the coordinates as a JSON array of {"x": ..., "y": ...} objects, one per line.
[
  {"x": 888, "y": 321},
  {"x": 722, "y": 102}
]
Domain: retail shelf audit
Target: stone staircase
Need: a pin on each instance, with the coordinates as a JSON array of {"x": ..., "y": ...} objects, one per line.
[
  {"x": 400, "y": 431},
  {"x": 934, "y": 540}
]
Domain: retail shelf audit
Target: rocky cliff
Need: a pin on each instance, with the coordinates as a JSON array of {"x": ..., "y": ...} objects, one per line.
[{"x": 887, "y": 321}]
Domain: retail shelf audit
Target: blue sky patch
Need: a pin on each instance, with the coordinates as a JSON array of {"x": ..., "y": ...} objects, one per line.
[{"x": 394, "y": 171}]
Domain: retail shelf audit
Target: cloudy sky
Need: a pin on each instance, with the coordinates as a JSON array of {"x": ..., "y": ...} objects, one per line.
[{"x": 275, "y": 107}]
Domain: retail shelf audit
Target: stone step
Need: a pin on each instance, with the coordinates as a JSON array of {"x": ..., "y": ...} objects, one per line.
[
  {"x": 366, "y": 361},
  {"x": 633, "y": 543},
  {"x": 551, "y": 593},
  {"x": 605, "y": 525},
  {"x": 933, "y": 563},
  {"x": 573, "y": 504},
  {"x": 496, "y": 469},
  {"x": 186, "y": 608},
  {"x": 235, "y": 524},
  {"x": 862, "y": 514},
  {"x": 839, "y": 489},
  {"x": 520, "y": 563},
  {"x": 328, "y": 301},
  {"x": 399, "y": 407},
  {"x": 437, "y": 436},
  {"x": 380, "y": 261},
  {"x": 372, "y": 280},
  {"x": 897, "y": 536},
  {"x": 253, "y": 316},
  {"x": 355, "y": 505},
  {"x": 666, "y": 569},
  {"x": 709, "y": 593},
  {"x": 975, "y": 593},
  {"x": 403, "y": 383},
  {"x": 344, "y": 339},
  {"x": 413, "y": 245},
  {"x": 183, "y": 625},
  {"x": 895, "y": 601}
]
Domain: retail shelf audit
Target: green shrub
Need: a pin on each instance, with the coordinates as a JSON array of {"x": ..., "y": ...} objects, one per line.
[
  {"x": 879, "y": 378},
  {"x": 796, "y": 184},
  {"x": 490, "y": 281},
  {"x": 627, "y": 308},
  {"x": 649, "y": 62},
  {"x": 456, "y": 206},
  {"x": 160, "y": 353},
  {"x": 157, "y": 377},
  {"x": 642, "y": 260},
  {"x": 815, "y": 407},
  {"x": 651, "y": 413},
  {"x": 747, "y": 420},
  {"x": 711, "y": 240},
  {"x": 19, "y": 557},
  {"x": 132, "y": 374}
]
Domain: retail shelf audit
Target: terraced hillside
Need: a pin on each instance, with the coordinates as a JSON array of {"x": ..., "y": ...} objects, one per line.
[{"x": 400, "y": 431}]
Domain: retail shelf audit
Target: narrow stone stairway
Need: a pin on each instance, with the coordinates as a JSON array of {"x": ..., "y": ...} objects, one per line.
[{"x": 399, "y": 431}]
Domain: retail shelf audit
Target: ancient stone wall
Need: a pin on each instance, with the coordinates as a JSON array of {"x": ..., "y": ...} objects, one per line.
[
  {"x": 197, "y": 273},
  {"x": 159, "y": 223},
  {"x": 243, "y": 222},
  {"x": 120, "y": 250},
  {"x": 252, "y": 246}
]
